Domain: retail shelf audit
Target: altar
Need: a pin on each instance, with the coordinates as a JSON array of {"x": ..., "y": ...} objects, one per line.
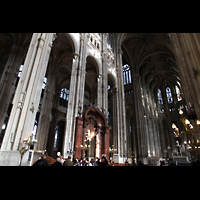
[{"x": 92, "y": 135}]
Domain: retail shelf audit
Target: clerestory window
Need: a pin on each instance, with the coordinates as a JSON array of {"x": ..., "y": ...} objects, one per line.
[
  {"x": 110, "y": 43},
  {"x": 64, "y": 97},
  {"x": 160, "y": 100},
  {"x": 126, "y": 74},
  {"x": 178, "y": 93},
  {"x": 169, "y": 95}
]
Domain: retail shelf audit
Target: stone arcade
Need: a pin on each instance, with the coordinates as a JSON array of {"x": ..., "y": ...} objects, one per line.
[{"x": 121, "y": 89}]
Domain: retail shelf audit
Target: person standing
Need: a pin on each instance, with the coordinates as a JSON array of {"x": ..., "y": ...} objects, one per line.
[
  {"x": 57, "y": 163},
  {"x": 75, "y": 162},
  {"x": 94, "y": 163},
  {"x": 140, "y": 163},
  {"x": 80, "y": 162},
  {"x": 98, "y": 161},
  {"x": 41, "y": 161},
  {"x": 126, "y": 162},
  {"x": 68, "y": 162},
  {"x": 85, "y": 162}
]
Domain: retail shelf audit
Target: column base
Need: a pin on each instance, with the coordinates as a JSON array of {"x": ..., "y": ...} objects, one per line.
[
  {"x": 118, "y": 159},
  {"x": 153, "y": 160},
  {"x": 12, "y": 158},
  {"x": 143, "y": 160}
]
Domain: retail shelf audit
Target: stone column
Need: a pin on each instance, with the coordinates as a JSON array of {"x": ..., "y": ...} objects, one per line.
[
  {"x": 128, "y": 135},
  {"x": 114, "y": 117},
  {"x": 162, "y": 135},
  {"x": 76, "y": 94},
  {"x": 8, "y": 79},
  {"x": 27, "y": 96},
  {"x": 82, "y": 69},
  {"x": 98, "y": 144},
  {"x": 169, "y": 123},
  {"x": 140, "y": 122},
  {"x": 104, "y": 74},
  {"x": 44, "y": 119},
  {"x": 188, "y": 71},
  {"x": 99, "y": 92},
  {"x": 78, "y": 137},
  {"x": 121, "y": 107},
  {"x": 107, "y": 141},
  {"x": 70, "y": 117},
  {"x": 159, "y": 151}
]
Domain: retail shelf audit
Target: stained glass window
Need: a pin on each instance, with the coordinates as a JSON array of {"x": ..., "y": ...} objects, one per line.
[
  {"x": 64, "y": 94},
  {"x": 56, "y": 137},
  {"x": 160, "y": 100},
  {"x": 169, "y": 95},
  {"x": 178, "y": 93},
  {"x": 110, "y": 43},
  {"x": 126, "y": 74},
  {"x": 64, "y": 97},
  {"x": 44, "y": 83},
  {"x": 20, "y": 70}
]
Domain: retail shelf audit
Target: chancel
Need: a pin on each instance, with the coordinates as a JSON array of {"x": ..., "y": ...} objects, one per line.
[{"x": 120, "y": 95}]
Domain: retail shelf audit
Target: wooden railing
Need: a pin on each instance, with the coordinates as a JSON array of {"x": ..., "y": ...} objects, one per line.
[{"x": 50, "y": 160}]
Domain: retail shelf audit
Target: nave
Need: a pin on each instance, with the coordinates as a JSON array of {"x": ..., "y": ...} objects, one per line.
[{"x": 129, "y": 96}]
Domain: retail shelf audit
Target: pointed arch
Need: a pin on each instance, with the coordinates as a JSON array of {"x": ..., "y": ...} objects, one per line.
[
  {"x": 94, "y": 62},
  {"x": 73, "y": 41},
  {"x": 113, "y": 79}
]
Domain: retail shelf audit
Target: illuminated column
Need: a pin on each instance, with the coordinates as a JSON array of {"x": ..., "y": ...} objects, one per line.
[
  {"x": 78, "y": 137},
  {"x": 122, "y": 143},
  {"x": 171, "y": 139},
  {"x": 8, "y": 79},
  {"x": 104, "y": 80},
  {"x": 140, "y": 122},
  {"x": 70, "y": 117},
  {"x": 98, "y": 144},
  {"x": 45, "y": 112},
  {"x": 107, "y": 141},
  {"x": 186, "y": 48},
  {"x": 27, "y": 96}
]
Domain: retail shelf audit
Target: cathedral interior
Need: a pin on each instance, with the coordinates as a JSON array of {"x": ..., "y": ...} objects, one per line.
[{"x": 130, "y": 96}]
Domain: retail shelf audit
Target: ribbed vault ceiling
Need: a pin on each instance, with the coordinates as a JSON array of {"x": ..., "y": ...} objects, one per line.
[{"x": 151, "y": 55}]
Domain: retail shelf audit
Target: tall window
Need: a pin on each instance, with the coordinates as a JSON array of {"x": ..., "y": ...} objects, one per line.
[
  {"x": 64, "y": 97},
  {"x": 19, "y": 74},
  {"x": 160, "y": 100},
  {"x": 178, "y": 93},
  {"x": 169, "y": 95},
  {"x": 56, "y": 137},
  {"x": 126, "y": 74},
  {"x": 20, "y": 70},
  {"x": 44, "y": 86},
  {"x": 109, "y": 118},
  {"x": 110, "y": 43},
  {"x": 44, "y": 83}
]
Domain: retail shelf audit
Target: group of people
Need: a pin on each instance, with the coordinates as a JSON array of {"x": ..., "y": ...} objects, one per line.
[
  {"x": 69, "y": 162},
  {"x": 86, "y": 162}
]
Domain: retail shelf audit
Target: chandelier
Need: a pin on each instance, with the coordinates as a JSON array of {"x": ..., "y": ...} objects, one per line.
[{"x": 191, "y": 144}]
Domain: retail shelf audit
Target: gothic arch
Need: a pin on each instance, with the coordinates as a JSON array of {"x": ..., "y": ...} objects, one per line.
[
  {"x": 113, "y": 79},
  {"x": 95, "y": 62},
  {"x": 73, "y": 42},
  {"x": 98, "y": 116}
]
